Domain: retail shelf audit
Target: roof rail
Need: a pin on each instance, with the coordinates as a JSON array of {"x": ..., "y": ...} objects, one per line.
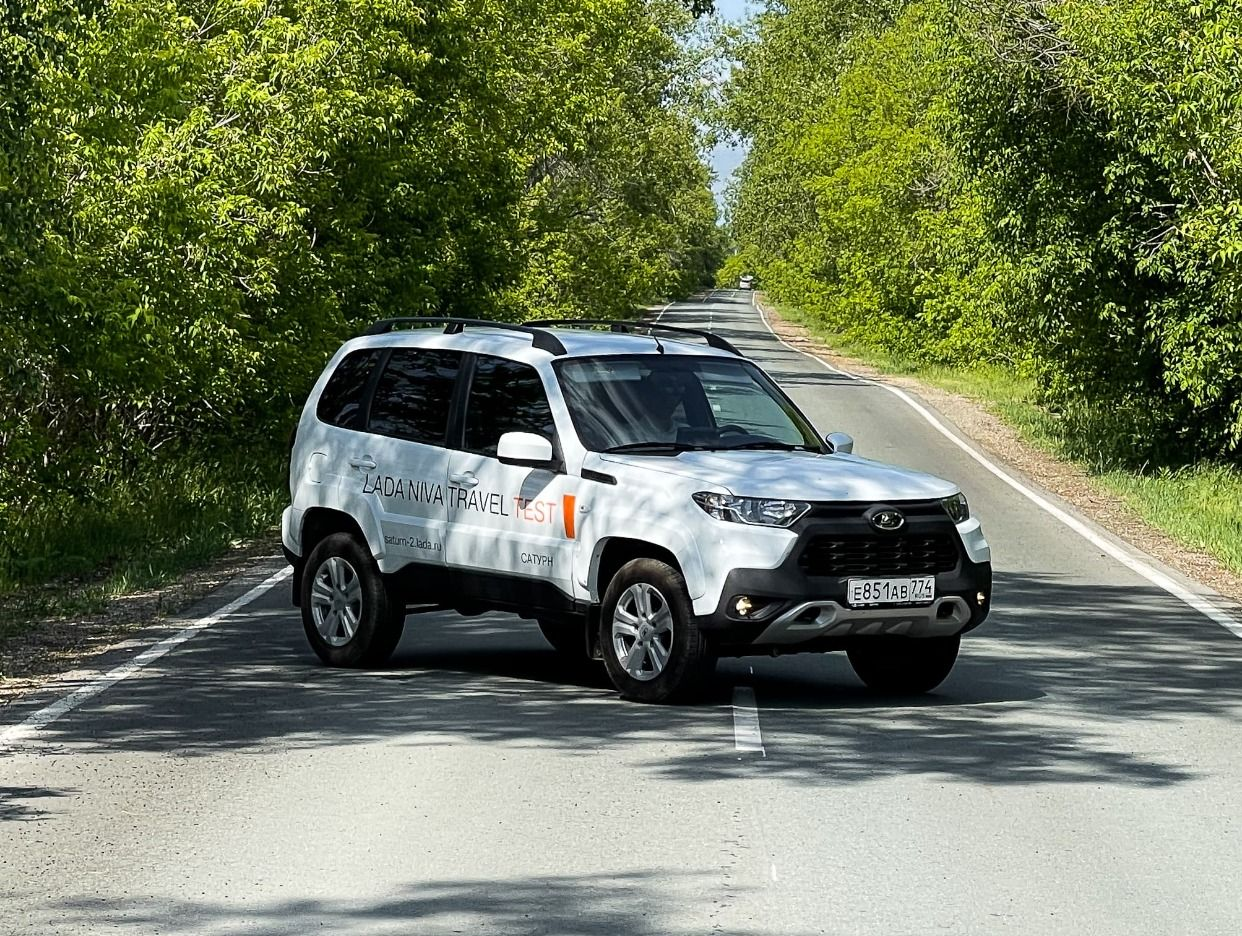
[
  {"x": 628, "y": 327},
  {"x": 454, "y": 326}
]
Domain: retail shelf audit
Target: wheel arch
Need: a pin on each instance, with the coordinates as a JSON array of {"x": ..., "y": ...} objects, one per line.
[
  {"x": 321, "y": 522},
  {"x": 318, "y": 523},
  {"x": 615, "y": 552}
]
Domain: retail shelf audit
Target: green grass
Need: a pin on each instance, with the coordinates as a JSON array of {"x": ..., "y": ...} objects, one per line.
[
  {"x": 1199, "y": 506},
  {"x": 65, "y": 554}
]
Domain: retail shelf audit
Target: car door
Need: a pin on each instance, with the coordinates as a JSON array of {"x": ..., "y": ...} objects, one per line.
[
  {"x": 508, "y": 521},
  {"x": 401, "y": 462}
]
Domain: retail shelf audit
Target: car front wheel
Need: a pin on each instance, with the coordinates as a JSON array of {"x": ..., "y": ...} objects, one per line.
[
  {"x": 347, "y": 613},
  {"x": 652, "y": 649},
  {"x": 903, "y": 665}
]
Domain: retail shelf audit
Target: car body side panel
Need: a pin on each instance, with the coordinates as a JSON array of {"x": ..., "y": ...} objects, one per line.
[
  {"x": 654, "y": 507},
  {"x": 511, "y": 520},
  {"x": 315, "y": 465},
  {"x": 403, "y": 493}
]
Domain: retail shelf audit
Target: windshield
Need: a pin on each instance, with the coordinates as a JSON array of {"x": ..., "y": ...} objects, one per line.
[{"x": 668, "y": 402}]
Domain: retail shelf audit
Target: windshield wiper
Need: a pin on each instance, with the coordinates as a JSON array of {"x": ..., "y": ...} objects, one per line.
[
  {"x": 769, "y": 444},
  {"x": 652, "y": 448}
]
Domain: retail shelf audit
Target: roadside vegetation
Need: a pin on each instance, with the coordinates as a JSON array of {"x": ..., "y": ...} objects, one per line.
[
  {"x": 200, "y": 199},
  {"x": 1036, "y": 203}
]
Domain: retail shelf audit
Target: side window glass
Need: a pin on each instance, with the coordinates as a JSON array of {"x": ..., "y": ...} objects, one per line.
[
  {"x": 505, "y": 396},
  {"x": 413, "y": 394},
  {"x": 340, "y": 404}
]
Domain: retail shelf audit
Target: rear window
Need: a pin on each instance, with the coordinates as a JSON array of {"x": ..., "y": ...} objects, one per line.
[{"x": 340, "y": 404}]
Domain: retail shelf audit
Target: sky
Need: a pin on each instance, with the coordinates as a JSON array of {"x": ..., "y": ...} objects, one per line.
[{"x": 724, "y": 159}]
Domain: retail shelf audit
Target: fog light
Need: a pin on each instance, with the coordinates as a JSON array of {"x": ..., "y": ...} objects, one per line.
[
  {"x": 742, "y": 606},
  {"x": 981, "y": 598}
]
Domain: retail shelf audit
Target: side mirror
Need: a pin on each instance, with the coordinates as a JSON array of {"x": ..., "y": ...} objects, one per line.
[
  {"x": 841, "y": 443},
  {"x": 525, "y": 449}
]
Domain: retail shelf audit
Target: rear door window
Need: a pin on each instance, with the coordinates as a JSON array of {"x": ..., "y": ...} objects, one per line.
[{"x": 413, "y": 395}]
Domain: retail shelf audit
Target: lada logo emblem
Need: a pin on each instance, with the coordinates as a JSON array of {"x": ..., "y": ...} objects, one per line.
[{"x": 887, "y": 519}]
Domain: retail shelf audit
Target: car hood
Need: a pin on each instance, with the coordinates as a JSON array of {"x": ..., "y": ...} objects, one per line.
[{"x": 796, "y": 475}]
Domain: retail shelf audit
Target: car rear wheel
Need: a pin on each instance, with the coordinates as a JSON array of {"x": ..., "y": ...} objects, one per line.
[
  {"x": 903, "y": 665},
  {"x": 652, "y": 649},
  {"x": 347, "y": 613}
]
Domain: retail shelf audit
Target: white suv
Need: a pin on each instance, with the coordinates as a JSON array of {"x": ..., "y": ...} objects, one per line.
[{"x": 647, "y": 498}]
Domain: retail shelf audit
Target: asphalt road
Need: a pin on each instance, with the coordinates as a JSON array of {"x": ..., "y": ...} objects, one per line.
[{"x": 1079, "y": 772}]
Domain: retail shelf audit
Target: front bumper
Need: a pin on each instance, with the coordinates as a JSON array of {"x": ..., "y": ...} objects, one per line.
[
  {"x": 795, "y": 608},
  {"x": 947, "y": 615}
]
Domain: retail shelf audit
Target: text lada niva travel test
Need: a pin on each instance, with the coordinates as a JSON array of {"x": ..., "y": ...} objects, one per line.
[{"x": 647, "y": 498}]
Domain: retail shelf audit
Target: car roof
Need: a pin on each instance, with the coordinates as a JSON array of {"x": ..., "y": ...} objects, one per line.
[{"x": 517, "y": 345}]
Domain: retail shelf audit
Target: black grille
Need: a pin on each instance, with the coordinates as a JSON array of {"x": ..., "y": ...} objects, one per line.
[{"x": 891, "y": 554}]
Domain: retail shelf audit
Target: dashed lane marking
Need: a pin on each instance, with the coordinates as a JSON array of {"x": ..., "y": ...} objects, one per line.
[
  {"x": 746, "y": 734},
  {"x": 23, "y": 731}
]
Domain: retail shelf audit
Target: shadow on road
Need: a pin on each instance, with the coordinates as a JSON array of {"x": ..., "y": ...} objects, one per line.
[
  {"x": 16, "y": 802},
  {"x": 1038, "y": 696},
  {"x": 634, "y": 904}
]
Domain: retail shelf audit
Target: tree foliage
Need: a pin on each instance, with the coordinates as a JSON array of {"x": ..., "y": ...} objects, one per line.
[
  {"x": 199, "y": 199},
  {"x": 1049, "y": 184}
]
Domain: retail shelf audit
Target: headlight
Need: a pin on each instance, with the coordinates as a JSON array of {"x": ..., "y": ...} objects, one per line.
[
  {"x": 755, "y": 510},
  {"x": 956, "y": 507}
]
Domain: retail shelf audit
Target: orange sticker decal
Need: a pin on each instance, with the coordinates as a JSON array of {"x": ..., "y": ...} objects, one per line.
[{"x": 567, "y": 509}]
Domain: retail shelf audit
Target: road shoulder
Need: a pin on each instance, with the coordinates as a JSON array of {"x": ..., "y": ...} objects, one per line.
[{"x": 53, "y": 649}]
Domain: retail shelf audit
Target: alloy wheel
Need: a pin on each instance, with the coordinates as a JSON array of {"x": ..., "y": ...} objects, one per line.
[
  {"x": 642, "y": 631},
  {"x": 336, "y": 601}
]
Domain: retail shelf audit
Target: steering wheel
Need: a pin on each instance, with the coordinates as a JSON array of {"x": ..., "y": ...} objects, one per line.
[{"x": 732, "y": 429}]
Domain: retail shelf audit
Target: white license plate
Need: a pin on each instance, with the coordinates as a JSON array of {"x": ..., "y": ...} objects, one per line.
[{"x": 882, "y": 591}]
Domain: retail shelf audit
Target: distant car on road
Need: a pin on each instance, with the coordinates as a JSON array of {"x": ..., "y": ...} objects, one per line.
[
  {"x": 746, "y": 282},
  {"x": 649, "y": 500}
]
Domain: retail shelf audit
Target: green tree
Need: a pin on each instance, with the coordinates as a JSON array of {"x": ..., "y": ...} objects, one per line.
[
  {"x": 199, "y": 199},
  {"x": 1047, "y": 184}
]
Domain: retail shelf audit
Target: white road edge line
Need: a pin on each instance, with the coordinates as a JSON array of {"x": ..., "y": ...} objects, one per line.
[
  {"x": 1133, "y": 563},
  {"x": 746, "y": 734},
  {"x": 22, "y": 731}
]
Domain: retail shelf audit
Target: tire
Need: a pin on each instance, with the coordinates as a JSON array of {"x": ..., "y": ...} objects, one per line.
[
  {"x": 673, "y": 660},
  {"x": 567, "y": 638},
  {"x": 903, "y": 665},
  {"x": 342, "y": 579}
]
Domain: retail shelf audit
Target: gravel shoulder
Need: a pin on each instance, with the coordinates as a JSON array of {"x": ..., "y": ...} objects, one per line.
[{"x": 1002, "y": 442}]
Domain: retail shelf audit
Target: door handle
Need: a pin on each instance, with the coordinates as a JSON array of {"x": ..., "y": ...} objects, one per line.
[
  {"x": 363, "y": 461},
  {"x": 463, "y": 478}
]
